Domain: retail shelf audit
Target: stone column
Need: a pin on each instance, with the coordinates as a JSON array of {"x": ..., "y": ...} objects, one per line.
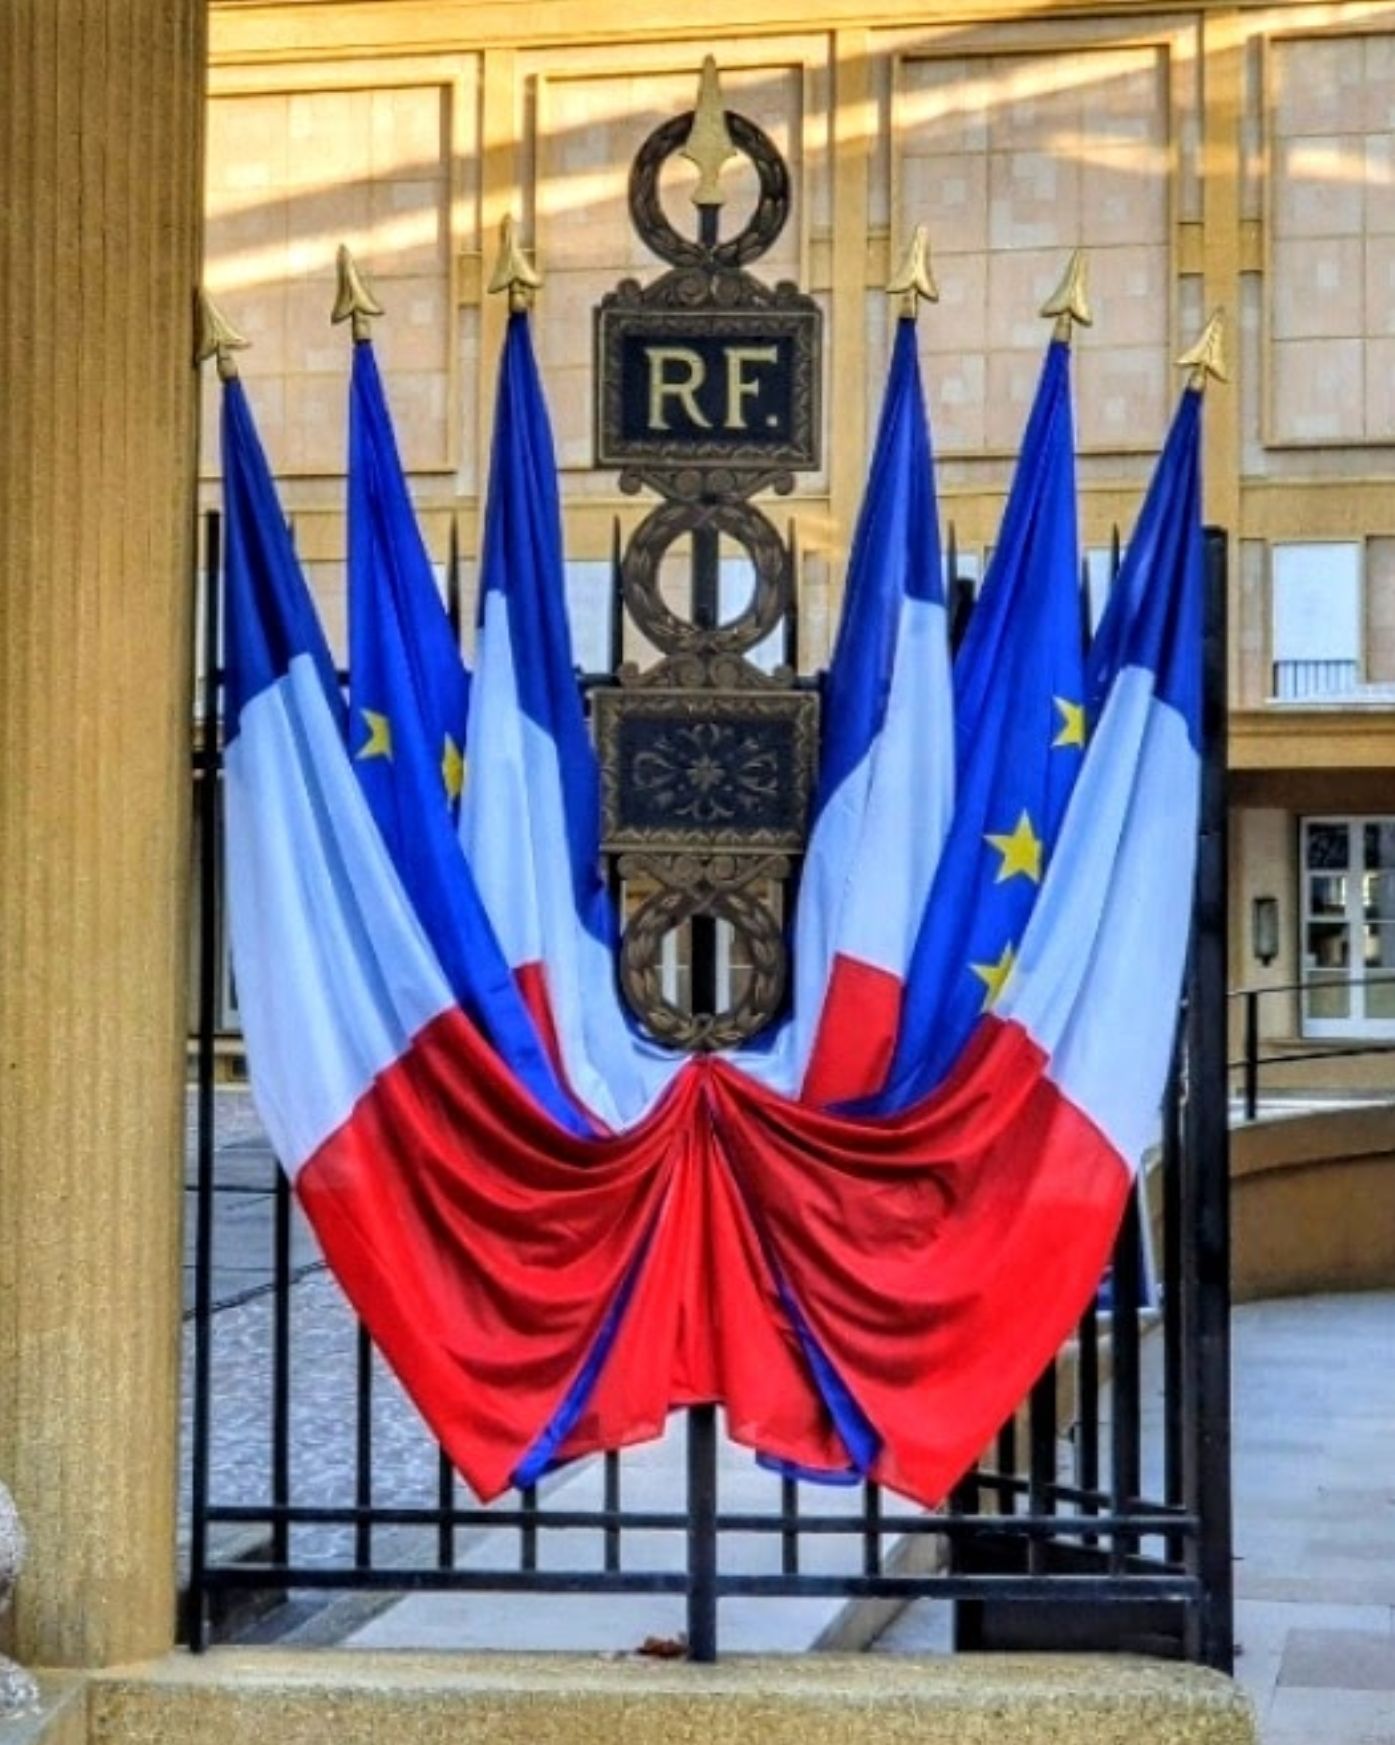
[{"x": 100, "y": 169}]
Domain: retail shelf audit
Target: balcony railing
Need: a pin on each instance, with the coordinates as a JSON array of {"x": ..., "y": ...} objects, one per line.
[{"x": 1297, "y": 680}]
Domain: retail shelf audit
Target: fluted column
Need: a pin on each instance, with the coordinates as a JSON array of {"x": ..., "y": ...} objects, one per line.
[{"x": 100, "y": 153}]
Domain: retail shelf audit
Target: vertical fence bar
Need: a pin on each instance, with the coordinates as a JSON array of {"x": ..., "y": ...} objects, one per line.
[
  {"x": 789, "y": 1536},
  {"x": 1087, "y": 623},
  {"x": 363, "y": 1451},
  {"x": 617, "y": 598},
  {"x": 196, "y": 1614},
  {"x": 1251, "y": 1053},
  {"x": 281, "y": 1366},
  {"x": 702, "y": 1420},
  {"x": 453, "y": 611},
  {"x": 528, "y": 1532},
  {"x": 702, "y": 1533},
  {"x": 1087, "y": 1407},
  {"x": 1007, "y": 1466},
  {"x": 612, "y": 1507},
  {"x": 1125, "y": 1462},
  {"x": 1207, "y": 1160},
  {"x": 445, "y": 1502},
  {"x": 1042, "y": 1476},
  {"x": 1173, "y": 1491},
  {"x": 959, "y": 592},
  {"x": 966, "y": 1497},
  {"x": 792, "y": 611},
  {"x": 871, "y": 1528}
]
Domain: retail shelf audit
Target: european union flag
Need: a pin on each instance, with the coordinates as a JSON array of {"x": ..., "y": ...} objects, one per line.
[
  {"x": 409, "y": 700},
  {"x": 401, "y": 644},
  {"x": 1019, "y": 736}
]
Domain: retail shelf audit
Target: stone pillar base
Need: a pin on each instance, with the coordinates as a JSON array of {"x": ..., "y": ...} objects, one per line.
[{"x": 266, "y": 1696}]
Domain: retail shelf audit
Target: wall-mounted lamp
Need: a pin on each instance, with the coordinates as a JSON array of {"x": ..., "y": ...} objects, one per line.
[{"x": 1264, "y": 929}]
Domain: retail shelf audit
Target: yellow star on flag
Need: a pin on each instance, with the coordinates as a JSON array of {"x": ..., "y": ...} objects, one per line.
[
  {"x": 1072, "y": 723},
  {"x": 452, "y": 769},
  {"x": 1021, "y": 852},
  {"x": 993, "y": 975},
  {"x": 379, "y": 740}
]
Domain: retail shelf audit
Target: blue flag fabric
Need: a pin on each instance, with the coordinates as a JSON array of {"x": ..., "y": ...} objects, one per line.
[
  {"x": 895, "y": 555},
  {"x": 1019, "y": 738},
  {"x": 410, "y": 700},
  {"x": 1151, "y": 626},
  {"x": 1112, "y": 916},
  {"x": 271, "y": 619},
  {"x": 886, "y": 735},
  {"x": 398, "y": 625},
  {"x": 530, "y": 819},
  {"x": 522, "y": 562}
]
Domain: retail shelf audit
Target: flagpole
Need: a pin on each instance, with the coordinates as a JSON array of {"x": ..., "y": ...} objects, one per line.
[
  {"x": 219, "y": 340},
  {"x": 1206, "y": 1153}
]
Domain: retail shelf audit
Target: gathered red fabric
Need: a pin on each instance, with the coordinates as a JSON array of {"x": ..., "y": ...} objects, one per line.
[{"x": 938, "y": 1257}]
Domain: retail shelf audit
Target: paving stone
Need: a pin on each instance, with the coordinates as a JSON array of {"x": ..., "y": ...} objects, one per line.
[
  {"x": 1329, "y": 1717},
  {"x": 1339, "y": 1660}
]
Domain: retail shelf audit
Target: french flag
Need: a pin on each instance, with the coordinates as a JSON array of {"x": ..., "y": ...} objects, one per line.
[
  {"x": 530, "y": 817},
  {"x": 885, "y": 788}
]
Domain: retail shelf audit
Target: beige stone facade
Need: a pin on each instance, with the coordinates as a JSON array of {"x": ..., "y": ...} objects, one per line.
[{"x": 1204, "y": 155}]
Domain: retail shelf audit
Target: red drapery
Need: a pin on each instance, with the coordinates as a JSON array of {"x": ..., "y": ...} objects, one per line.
[{"x": 939, "y": 1257}]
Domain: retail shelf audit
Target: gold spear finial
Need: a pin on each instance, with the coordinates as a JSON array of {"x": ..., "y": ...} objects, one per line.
[
  {"x": 216, "y": 337},
  {"x": 709, "y": 143},
  {"x": 512, "y": 273},
  {"x": 1206, "y": 357},
  {"x": 1069, "y": 302},
  {"x": 913, "y": 279},
  {"x": 353, "y": 301}
]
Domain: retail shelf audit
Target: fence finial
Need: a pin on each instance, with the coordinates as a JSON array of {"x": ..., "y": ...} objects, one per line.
[
  {"x": 709, "y": 141},
  {"x": 913, "y": 279},
  {"x": 353, "y": 301},
  {"x": 216, "y": 337},
  {"x": 1070, "y": 302},
  {"x": 1207, "y": 356},
  {"x": 512, "y": 272}
]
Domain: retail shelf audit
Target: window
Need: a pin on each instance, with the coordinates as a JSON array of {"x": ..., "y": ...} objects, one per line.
[
  {"x": 590, "y": 600},
  {"x": 736, "y": 582},
  {"x": 1099, "y": 578},
  {"x": 1348, "y": 921},
  {"x": 1315, "y": 595}
]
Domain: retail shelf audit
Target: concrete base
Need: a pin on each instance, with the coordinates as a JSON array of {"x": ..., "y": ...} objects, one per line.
[{"x": 266, "y": 1697}]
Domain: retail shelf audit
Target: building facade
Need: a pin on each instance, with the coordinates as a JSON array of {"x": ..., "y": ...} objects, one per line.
[{"x": 1204, "y": 156}]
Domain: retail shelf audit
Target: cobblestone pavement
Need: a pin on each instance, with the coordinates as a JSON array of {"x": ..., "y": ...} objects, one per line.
[{"x": 324, "y": 1350}]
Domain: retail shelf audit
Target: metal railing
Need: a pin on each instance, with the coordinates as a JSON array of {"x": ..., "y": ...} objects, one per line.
[
  {"x": 1295, "y": 680},
  {"x": 1099, "y": 1518},
  {"x": 1251, "y": 1062}
]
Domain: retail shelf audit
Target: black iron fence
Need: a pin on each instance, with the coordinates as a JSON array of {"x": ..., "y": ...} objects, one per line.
[{"x": 1099, "y": 1518}]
